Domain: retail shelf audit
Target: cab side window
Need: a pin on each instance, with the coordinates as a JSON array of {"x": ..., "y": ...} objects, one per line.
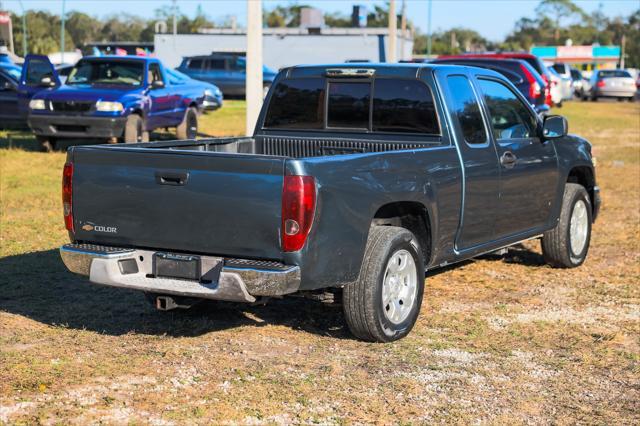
[
  {"x": 510, "y": 118},
  {"x": 466, "y": 110},
  {"x": 154, "y": 73}
]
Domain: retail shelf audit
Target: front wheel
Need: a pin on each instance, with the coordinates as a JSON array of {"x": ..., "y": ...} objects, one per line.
[
  {"x": 188, "y": 128},
  {"x": 384, "y": 303},
  {"x": 566, "y": 245},
  {"x": 134, "y": 130}
]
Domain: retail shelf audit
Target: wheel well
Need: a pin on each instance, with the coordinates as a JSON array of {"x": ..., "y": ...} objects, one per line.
[
  {"x": 410, "y": 215},
  {"x": 583, "y": 176},
  {"x": 138, "y": 111},
  {"x": 193, "y": 104}
]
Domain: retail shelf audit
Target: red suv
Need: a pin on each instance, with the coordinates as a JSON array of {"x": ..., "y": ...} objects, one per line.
[{"x": 532, "y": 60}]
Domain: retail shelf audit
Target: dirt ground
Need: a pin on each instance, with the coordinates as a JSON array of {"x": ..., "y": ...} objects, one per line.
[{"x": 499, "y": 340}]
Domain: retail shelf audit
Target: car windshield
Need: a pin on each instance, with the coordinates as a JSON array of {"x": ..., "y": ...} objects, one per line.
[
  {"x": 116, "y": 72},
  {"x": 613, "y": 73}
]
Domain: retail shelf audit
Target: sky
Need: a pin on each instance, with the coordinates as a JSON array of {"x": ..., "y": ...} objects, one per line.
[{"x": 493, "y": 19}]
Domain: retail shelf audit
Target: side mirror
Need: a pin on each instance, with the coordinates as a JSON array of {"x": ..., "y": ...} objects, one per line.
[
  {"x": 47, "y": 81},
  {"x": 157, "y": 84},
  {"x": 6, "y": 86},
  {"x": 555, "y": 126}
]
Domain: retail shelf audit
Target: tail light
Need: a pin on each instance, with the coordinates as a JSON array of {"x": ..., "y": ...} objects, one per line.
[
  {"x": 298, "y": 208},
  {"x": 534, "y": 87},
  {"x": 67, "y": 195},
  {"x": 600, "y": 83}
]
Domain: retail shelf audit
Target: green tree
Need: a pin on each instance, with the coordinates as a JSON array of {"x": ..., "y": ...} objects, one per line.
[{"x": 559, "y": 10}]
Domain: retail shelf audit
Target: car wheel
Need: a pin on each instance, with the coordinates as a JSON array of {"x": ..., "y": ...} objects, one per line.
[
  {"x": 630, "y": 99},
  {"x": 384, "y": 303},
  {"x": 134, "y": 129},
  {"x": 566, "y": 245},
  {"x": 188, "y": 128},
  {"x": 46, "y": 143}
]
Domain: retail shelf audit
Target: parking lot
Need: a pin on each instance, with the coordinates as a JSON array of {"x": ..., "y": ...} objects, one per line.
[{"x": 500, "y": 339}]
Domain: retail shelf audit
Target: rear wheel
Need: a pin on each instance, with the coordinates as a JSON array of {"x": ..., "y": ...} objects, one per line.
[
  {"x": 134, "y": 131},
  {"x": 188, "y": 129},
  {"x": 566, "y": 245},
  {"x": 46, "y": 143},
  {"x": 383, "y": 305}
]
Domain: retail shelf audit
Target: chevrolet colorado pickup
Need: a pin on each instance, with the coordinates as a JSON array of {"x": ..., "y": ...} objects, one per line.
[
  {"x": 114, "y": 98},
  {"x": 359, "y": 177}
]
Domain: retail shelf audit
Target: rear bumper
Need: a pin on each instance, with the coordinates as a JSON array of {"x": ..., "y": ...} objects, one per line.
[
  {"x": 69, "y": 126},
  {"x": 615, "y": 93},
  {"x": 233, "y": 280}
]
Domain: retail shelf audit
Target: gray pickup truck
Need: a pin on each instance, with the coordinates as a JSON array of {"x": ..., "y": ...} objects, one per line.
[{"x": 358, "y": 179}]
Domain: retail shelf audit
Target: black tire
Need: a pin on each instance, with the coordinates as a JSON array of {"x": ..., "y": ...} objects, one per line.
[
  {"x": 362, "y": 300},
  {"x": 134, "y": 129},
  {"x": 188, "y": 128},
  {"x": 556, "y": 243},
  {"x": 630, "y": 98},
  {"x": 46, "y": 143}
]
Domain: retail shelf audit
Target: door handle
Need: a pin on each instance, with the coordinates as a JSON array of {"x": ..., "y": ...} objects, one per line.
[
  {"x": 508, "y": 159},
  {"x": 171, "y": 178}
]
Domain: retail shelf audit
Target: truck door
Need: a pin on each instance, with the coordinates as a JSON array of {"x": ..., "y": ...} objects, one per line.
[
  {"x": 161, "y": 113},
  {"x": 480, "y": 163},
  {"x": 38, "y": 73},
  {"x": 8, "y": 101},
  {"x": 528, "y": 165}
]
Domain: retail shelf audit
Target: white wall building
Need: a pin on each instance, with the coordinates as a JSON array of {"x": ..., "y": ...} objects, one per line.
[{"x": 284, "y": 47}]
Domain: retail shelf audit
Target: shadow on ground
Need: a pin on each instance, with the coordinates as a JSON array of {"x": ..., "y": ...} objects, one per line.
[{"x": 37, "y": 286}]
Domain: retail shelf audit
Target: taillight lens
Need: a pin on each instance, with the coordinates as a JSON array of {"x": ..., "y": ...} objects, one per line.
[
  {"x": 534, "y": 86},
  {"x": 67, "y": 195},
  {"x": 298, "y": 208},
  {"x": 600, "y": 83}
]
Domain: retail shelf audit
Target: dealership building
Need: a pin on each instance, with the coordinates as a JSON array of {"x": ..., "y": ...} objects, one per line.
[{"x": 584, "y": 57}]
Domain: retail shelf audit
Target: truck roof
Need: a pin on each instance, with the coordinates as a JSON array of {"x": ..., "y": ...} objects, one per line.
[
  {"x": 122, "y": 57},
  {"x": 406, "y": 70}
]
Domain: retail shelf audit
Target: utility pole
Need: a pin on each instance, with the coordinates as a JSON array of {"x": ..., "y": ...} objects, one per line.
[
  {"x": 403, "y": 29},
  {"x": 429, "y": 30},
  {"x": 623, "y": 42},
  {"x": 174, "y": 8},
  {"x": 393, "y": 31},
  {"x": 62, "y": 33},
  {"x": 253, "y": 72},
  {"x": 24, "y": 30}
]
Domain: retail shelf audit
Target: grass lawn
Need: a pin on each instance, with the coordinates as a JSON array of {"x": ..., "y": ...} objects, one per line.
[{"x": 499, "y": 340}]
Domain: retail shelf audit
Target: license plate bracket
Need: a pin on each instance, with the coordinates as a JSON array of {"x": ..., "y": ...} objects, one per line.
[{"x": 169, "y": 265}]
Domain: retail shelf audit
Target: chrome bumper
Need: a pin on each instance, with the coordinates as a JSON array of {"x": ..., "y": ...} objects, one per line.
[{"x": 233, "y": 280}]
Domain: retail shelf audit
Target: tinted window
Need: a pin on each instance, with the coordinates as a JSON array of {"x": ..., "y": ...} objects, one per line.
[
  {"x": 349, "y": 105},
  {"x": 215, "y": 64},
  {"x": 297, "y": 104},
  {"x": 510, "y": 118},
  {"x": 559, "y": 68},
  {"x": 38, "y": 69},
  {"x": 576, "y": 75},
  {"x": 613, "y": 73},
  {"x": 195, "y": 63},
  {"x": 403, "y": 106},
  {"x": 466, "y": 109}
]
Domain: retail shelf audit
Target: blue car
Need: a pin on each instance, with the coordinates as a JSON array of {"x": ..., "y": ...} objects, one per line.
[
  {"x": 113, "y": 98},
  {"x": 227, "y": 71},
  {"x": 13, "y": 106}
]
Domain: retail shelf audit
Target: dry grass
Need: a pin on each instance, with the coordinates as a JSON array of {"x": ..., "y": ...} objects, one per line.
[{"x": 500, "y": 340}]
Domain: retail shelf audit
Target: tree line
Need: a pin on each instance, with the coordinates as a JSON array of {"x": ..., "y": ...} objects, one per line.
[{"x": 556, "y": 21}]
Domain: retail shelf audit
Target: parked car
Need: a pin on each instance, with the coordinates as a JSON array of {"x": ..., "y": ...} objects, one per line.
[
  {"x": 356, "y": 181},
  {"x": 227, "y": 71},
  {"x": 611, "y": 84},
  {"x": 212, "y": 98},
  {"x": 532, "y": 60},
  {"x": 113, "y": 98},
  {"x": 561, "y": 88},
  {"x": 518, "y": 72},
  {"x": 578, "y": 83}
]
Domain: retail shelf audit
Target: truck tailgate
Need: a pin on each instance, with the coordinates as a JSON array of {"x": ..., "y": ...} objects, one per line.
[{"x": 192, "y": 201}]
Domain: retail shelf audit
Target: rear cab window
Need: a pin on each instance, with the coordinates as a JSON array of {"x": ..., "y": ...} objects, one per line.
[{"x": 379, "y": 105}]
